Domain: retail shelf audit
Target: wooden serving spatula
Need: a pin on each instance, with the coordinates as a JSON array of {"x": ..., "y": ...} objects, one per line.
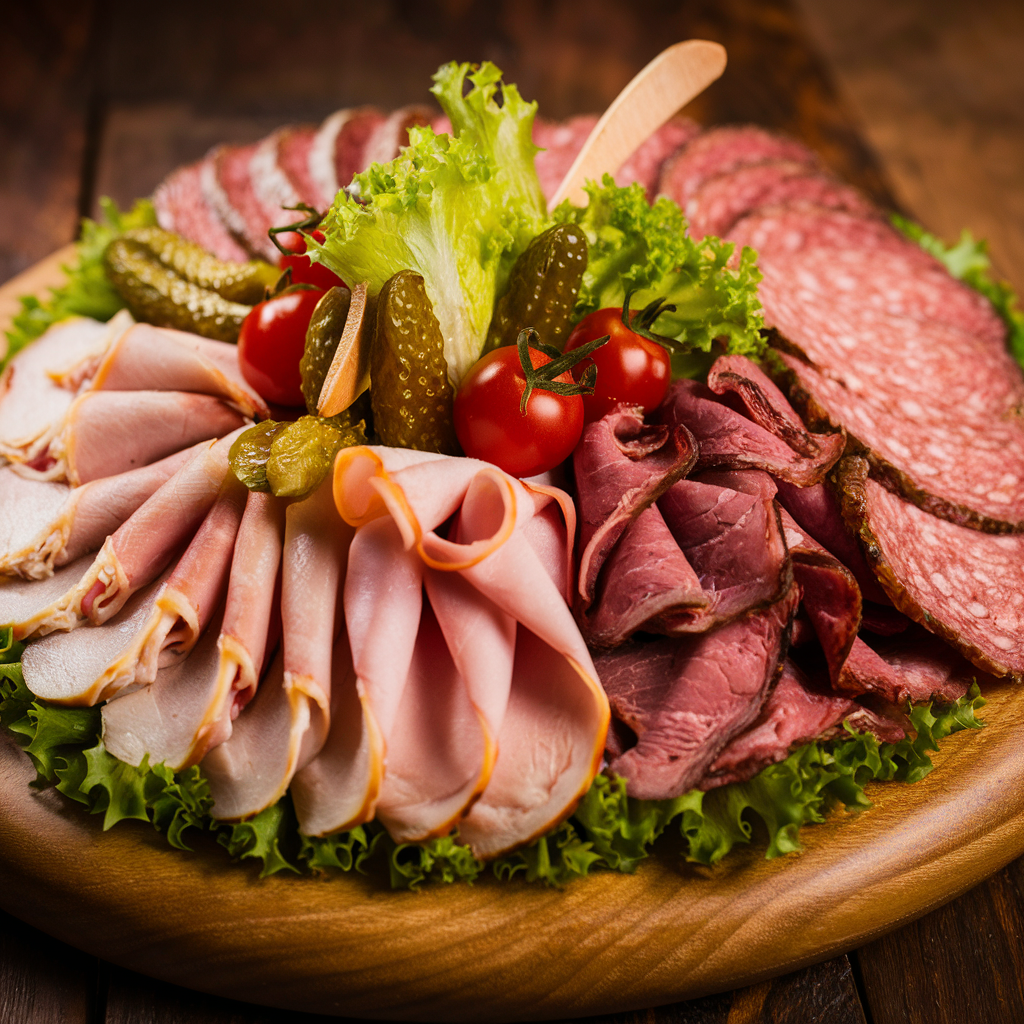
[{"x": 668, "y": 83}]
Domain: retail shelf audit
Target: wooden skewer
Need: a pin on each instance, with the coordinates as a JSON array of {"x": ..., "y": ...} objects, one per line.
[{"x": 668, "y": 83}]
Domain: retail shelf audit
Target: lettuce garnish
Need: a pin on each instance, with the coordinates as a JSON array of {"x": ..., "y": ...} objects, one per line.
[
  {"x": 457, "y": 210},
  {"x": 968, "y": 261},
  {"x": 636, "y": 245},
  {"x": 609, "y": 830},
  {"x": 87, "y": 291}
]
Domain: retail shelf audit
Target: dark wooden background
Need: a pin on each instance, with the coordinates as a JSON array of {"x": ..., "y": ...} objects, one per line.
[{"x": 921, "y": 102}]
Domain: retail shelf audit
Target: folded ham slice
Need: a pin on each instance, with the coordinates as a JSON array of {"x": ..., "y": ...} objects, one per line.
[
  {"x": 542, "y": 709},
  {"x": 148, "y": 358},
  {"x": 46, "y": 525}
]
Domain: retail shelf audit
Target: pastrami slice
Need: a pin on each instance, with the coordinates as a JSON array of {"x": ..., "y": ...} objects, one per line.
[{"x": 942, "y": 575}]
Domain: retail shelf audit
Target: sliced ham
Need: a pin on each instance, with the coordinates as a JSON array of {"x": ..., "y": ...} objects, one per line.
[
  {"x": 88, "y": 665},
  {"x": 46, "y": 525},
  {"x": 182, "y": 207},
  {"x": 795, "y": 713},
  {"x": 31, "y": 404},
  {"x": 164, "y": 722},
  {"x": 686, "y": 698},
  {"x": 105, "y": 433},
  {"x": 148, "y": 358},
  {"x": 752, "y": 426}
]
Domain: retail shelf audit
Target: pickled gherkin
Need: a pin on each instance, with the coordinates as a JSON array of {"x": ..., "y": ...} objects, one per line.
[
  {"x": 236, "y": 282},
  {"x": 542, "y": 289},
  {"x": 322, "y": 336},
  {"x": 409, "y": 387},
  {"x": 156, "y": 294},
  {"x": 291, "y": 459}
]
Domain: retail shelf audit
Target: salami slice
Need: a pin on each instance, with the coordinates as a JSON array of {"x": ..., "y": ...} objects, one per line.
[
  {"x": 559, "y": 143},
  {"x": 964, "y": 585},
  {"x": 644, "y": 166}
]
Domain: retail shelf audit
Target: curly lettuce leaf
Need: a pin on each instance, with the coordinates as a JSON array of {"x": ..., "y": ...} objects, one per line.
[
  {"x": 457, "y": 211},
  {"x": 635, "y": 245},
  {"x": 968, "y": 261},
  {"x": 87, "y": 291}
]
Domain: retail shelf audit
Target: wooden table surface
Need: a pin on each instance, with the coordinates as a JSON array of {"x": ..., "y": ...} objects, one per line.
[{"x": 919, "y": 102}]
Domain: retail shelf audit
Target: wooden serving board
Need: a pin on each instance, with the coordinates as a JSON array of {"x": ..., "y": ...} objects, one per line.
[{"x": 348, "y": 945}]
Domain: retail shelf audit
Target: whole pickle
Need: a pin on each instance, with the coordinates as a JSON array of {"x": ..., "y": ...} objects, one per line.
[
  {"x": 542, "y": 289},
  {"x": 236, "y": 282},
  {"x": 250, "y": 452},
  {"x": 409, "y": 387},
  {"x": 322, "y": 337},
  {"x": 303, "y": 453},
  {"x": 156, "y": 294}
]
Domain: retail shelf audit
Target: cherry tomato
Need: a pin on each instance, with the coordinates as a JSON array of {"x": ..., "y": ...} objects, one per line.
[
  {"x": 630, "y": 368},
  {"x": 271, "y": 342},
  {"x": 304, "y": 270},
  {"x": 490, "y": 425}
]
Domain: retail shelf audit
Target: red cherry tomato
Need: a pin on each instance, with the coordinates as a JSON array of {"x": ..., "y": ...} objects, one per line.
[
  {"x": 304, "y": 270},
  {"x": 630, "y": 368},
  {"x": 490, "y": 425},
  {"x": 271, "y": 342}
]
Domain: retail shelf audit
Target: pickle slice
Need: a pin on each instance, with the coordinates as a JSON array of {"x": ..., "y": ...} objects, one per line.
[
  {"x": 326, "y": 327},
  {"x": 236, "y": 282},
  {"x": 410, "y": 391},
  {"x": 542, "y": 289},
  {"x": 156, "y": 294}
]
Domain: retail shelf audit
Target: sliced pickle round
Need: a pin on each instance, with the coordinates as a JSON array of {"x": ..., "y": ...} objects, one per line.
[
  {"x": 542, "y": 289},
  {"x": 409, "y": 390}
]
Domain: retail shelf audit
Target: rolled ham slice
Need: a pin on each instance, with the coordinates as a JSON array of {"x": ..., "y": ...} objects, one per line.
[
  {"x": 553, "y": 725},
  {"x": 134, "y": 555},
  {"x": 109, "y": 432},
  {"x": 31, "y": 404},
  {"x": 46, "y": 525},
  {"x": 148, "y": 358}
]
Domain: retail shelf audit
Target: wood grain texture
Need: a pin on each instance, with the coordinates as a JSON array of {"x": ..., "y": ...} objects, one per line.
[
  {"x": 41, "y": 981},
  {"x": 509, "y": 952}
]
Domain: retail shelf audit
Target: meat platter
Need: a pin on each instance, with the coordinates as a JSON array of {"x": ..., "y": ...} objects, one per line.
[{"x": 672, "y": 929}]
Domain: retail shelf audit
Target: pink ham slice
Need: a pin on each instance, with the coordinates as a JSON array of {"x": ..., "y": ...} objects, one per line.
[
  {"x": 337, "y": 150},
  {"x": 397, "y": 500},
  {"x": 313, "y": 567},
  {"x": 136, "y": 553},
  {"x": 32, "y": 406},
  {"x": 742, "y": 421},
  {"x": 685, "y": 699},
  {"x": 182, "y": 207},
  {"x": 46, "y": 525},
  {"x": 795, "y": 713},
  {"x": 105, "y": 433},
  {"x": 147, "y": 358}
]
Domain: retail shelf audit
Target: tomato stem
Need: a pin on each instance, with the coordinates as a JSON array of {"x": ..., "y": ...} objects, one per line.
[
  {"x": 642, "y": 321},
  {"x": 311, "y": 220},
  {"x": 543, "y": 377}
]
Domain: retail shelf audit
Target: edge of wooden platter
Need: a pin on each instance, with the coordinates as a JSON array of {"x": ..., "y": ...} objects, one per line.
[{"x": 495, "y": 951}]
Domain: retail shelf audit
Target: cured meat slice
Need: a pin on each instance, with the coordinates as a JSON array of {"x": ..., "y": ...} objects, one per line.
[
  {"x": 181, "y": 206},
  {"x": 248, "y": 632},
  {"x": 46, "y": 525},
  {"x": 86, "y": 666},
  {"x": 795, "y": 713},
  {"x": 24, "y": 604},
  {"x": 559, "y": 142},
  {"x": 337, "y": 150},
  {"x": 622, "y": 466},
  {"x": 228, "y": 190},
  {"x": 852, "y": 270},
  {"x": 30, "y": 402},
  {"x": 293, "y": 148},
  {"x": 644, "y": 166},
  {"x": 730, "y": 438},
  {"x": 105, "y": 433},
  {"x": 724, "y": 150},
  {"x": 686, "y": 698},
  {"x": 391, "y": 135},
  {"x": 135, "y": 554},
  {"x": 147, "y": 358},
  {"x": 727, "y": 526},
  {"x": 967, "y": 470},
  {"x": 719, "y": 202},
  {"x": 966, "y": 586},
  {"x": 272, "y": 183},
  {"x": 165, "y": 721}
]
